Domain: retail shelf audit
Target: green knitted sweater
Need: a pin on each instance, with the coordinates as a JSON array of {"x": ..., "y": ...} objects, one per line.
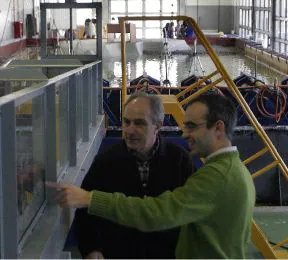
[{"x": 214, "y": 209}]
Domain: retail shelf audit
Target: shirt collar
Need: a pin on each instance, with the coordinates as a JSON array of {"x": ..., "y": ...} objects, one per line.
[{"x": 222, "y": 150}]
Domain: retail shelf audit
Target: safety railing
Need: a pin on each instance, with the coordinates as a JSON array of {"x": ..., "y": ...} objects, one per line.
[
  {"x": 50, "y": 131},
  {"x": 258, "y": 237}
]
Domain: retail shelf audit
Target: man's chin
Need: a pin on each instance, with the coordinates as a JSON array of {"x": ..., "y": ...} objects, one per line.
[{"x": 133, "y": 147}]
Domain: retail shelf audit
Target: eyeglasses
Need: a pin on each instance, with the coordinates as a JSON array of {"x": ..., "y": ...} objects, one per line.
[{"x": 190, "y": 126}]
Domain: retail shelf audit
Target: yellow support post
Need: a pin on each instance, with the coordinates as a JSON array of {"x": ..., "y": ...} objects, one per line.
[{"x": 261, "y": 242}]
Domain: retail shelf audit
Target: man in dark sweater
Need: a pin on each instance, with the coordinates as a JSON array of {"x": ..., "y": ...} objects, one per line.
[{"x": 142, "y": 164}]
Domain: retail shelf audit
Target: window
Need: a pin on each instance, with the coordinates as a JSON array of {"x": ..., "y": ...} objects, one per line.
[
  {"x": 135, "y": 6},
  {"x": 170, "y": 6},
  {"x": 262, "y": 15},
  {"x": 52, "y": 1},
  {"x": 152, "y": 6},
  {"x": 118, "y": 6},
  {"x": 82, "y": 15},
  {"x": 281, "y": 37},
  {"x": 146, "y": 29}
]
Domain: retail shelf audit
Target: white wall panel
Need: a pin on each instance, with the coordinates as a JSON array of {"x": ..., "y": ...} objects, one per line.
[
  {"x": 209, "y": 2},
  {"x": 17, "y": 12},
  {"x": 6, "y": 17}
]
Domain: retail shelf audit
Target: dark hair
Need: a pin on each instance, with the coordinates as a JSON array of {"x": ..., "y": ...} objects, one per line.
[
  {"x": 219, "y": 108},
  {"x": 156, "y": 106}
]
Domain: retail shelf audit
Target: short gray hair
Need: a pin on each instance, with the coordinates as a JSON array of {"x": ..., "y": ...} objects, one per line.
[{"x": 156, "y": 106}]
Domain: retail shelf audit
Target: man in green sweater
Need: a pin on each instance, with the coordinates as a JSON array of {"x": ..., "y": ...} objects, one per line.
[{"x": 215, "y": 206}]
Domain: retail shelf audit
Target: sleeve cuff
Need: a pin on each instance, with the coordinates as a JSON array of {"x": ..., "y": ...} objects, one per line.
[{"x": 100, "y": 203}]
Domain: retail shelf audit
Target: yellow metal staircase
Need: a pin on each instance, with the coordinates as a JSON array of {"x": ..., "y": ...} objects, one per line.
[{"x": 173, "y": 106}]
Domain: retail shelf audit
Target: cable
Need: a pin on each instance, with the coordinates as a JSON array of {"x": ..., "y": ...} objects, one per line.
[{"x": 268, "y": 93}]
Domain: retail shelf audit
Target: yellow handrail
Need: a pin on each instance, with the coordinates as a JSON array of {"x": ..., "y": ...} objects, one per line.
[
  {"x": 255, "y": 156},
  {"x": 265, "y": 169},
  {"x": 196, "y": 84},
  {"x": 282, "y": 243},
  {"x": 201, "y": 91}
]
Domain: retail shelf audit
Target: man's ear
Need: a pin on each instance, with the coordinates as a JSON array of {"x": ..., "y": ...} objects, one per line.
[
  {"x": 159, "y": 124},
  {"x": 220, "y": 126}
]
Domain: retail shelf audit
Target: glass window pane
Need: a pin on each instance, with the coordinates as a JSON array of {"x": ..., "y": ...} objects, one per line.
[
  {"x": 282, "y": 30},
  {"x": 79, "y": 107},
  {"x": 261, "y": 20},
  {"x": 62, "y": 125},
  {"x": 283, "y": 8},
  {"x": 52, "y": 1},
  {"x": 135, "y": 6},
  {"x": 247, "y": 18},
  {"x": 257, "y": 19},
  {"x": 277, "y": 26},
  {"x": 152, "y": 33},
  {"x": 117, "y": 6},
  {"x": 152, "y": 24},
  {"x": 240, "y": 17},
  {"x": 30, "y": 159},
  {"x": 266, "y": 21},
  {"x": 60, "y": 19},
  {"x": 169, "y": 6},
  {"x": 277, "y": 9},
  {"x": 82, "y": 15},
  {"x": 152, "y": 6},
  {"x": 282, "y": 47}
]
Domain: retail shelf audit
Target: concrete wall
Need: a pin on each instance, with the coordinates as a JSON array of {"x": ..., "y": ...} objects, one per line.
[
  {"x": 215, "y": 15},
  {"x": 275, "y": 62},
  {"x": 11, "y": 11}
]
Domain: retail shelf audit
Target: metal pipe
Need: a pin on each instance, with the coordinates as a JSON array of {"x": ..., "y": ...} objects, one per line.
[
  {"x": 255, "y": 156},
  {"x": 196, "y": 84},
  {"x": 265, "y": 169},
  {"x": 123, "y": 58},
  {"x": 200, "y": 91}
]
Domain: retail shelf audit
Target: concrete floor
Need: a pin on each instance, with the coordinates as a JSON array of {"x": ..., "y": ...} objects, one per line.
[{"x": 273, "y": 221}]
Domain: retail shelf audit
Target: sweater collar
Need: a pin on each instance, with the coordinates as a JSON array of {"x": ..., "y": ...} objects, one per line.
[
  {"x": 221, "y": 151},
  {"x": 159, "y": 147}
]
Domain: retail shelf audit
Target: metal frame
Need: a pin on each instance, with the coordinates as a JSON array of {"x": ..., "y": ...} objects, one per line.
[
  {"x": 43, "y": 10},
  {"x": 9, "y": 223},
  {"x": 173, "y": 106}
]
